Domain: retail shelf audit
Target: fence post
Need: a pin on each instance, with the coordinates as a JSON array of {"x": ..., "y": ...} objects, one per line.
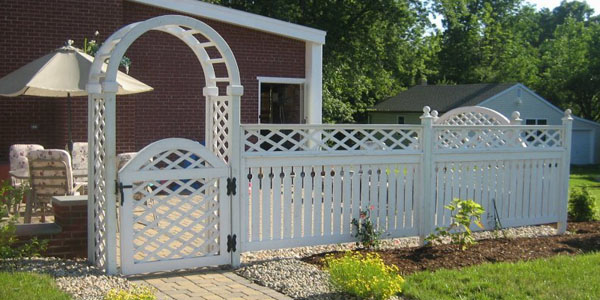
[
  {"x": 236, "y": 92},
  {"x": 426, "y": 219},
  {"x": 567, "y": 122}
]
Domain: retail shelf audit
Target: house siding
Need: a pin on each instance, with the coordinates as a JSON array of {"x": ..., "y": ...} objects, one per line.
[
  {"x": 174, "y": 109},
  {"x": 530, "y": 106}
]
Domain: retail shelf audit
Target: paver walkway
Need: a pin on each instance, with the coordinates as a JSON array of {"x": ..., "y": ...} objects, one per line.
[{"x": 207, "y": 285}]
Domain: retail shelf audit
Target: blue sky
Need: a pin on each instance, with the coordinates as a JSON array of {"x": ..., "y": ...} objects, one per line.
[{"x": 551, "y": 4}]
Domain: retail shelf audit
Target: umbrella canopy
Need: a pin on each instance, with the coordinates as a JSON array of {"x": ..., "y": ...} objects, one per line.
[
  {"x": 62, "y": 73},
  {"x": 57, "y": 74}
]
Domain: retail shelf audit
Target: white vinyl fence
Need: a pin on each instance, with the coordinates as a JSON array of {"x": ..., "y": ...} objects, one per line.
[{"x": 302, "y": 184}]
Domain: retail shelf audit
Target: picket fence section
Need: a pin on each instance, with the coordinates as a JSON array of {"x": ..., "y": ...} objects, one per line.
[{"x": 302, "y": 185}]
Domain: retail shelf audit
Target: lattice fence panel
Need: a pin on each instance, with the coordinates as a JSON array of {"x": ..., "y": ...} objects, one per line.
[
  {"x": 468, "y": 137},
  {"x": 330, "y": 139},
  {"x": 175, "y": 219},
  {"x": 99, "y": 181}
]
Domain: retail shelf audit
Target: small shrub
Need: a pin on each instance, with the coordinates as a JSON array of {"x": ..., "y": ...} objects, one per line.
[
  {"x": 364, "y": 276},
  {"x": 464, "y": 213},
  {"x": 582, "y": 205},
  {"x": 136, "y": 292},
  {"x": 10, "y": 198},
  {"x": 365, "y": 233},
  {"x": 8, "y": 239}
]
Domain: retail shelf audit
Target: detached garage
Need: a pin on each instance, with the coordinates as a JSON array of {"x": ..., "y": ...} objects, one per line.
[{"x": 406, "y": 108}]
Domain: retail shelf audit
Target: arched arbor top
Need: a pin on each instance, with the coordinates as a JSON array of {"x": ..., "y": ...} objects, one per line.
[{"x": 103, "y": 79}]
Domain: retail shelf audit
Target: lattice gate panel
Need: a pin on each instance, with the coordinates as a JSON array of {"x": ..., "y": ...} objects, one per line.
[
  {"x": 175, "y": 219},
  {"x": 175, "y": 213},
  {"x": 99, "y": 181}
]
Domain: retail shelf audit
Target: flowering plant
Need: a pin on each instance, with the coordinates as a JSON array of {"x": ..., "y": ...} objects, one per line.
[{"x": 365, "y": 231}]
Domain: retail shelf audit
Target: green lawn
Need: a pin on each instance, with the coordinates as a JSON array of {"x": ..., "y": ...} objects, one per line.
[
  {"x": 587, "y": 176},
  {"x": 561, "y": 277},
  {"x": 29, "y": 286}
]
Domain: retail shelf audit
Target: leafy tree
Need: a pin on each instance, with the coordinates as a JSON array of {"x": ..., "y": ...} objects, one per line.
[
  {"x": 571, "y": 69},
  {"x": 373, "y": 48}
]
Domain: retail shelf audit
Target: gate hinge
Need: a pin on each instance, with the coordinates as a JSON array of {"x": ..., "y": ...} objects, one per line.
[
  {"x": 231, "y": 243},
  {"x": 120, "y": 186},
  {"x": 231, "y": 186}
]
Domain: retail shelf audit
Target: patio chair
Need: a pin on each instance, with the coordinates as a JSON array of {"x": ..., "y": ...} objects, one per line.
[
  {"x": 79, "y": 156},
  {"x": 51, "y": 175},
  {"x": 19, "y": 168},
  {"x": 19, "y": 165}
]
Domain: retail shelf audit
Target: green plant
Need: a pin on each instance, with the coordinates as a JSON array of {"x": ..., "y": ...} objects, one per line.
[
  {"x": 136, "y": 292},
  {"x": 582, "y": 205},
  {"x": 464, "y": 213},
  {"x": 364, "y": 276},
  {"x": 10, "y": 198},
  {"x": 365, "y": 231},
  {"x": 8, "y": 242},
  {"x": 91, "y": 47}
]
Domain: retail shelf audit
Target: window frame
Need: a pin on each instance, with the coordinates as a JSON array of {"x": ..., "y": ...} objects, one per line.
[{"x": 283, "y": 80}]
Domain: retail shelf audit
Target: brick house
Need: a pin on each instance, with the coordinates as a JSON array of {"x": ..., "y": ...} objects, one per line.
[{"x": 280, "y": 66}]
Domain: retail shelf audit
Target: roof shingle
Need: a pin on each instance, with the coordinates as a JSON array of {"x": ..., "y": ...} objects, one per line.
[{"x": 441, "y": 97}]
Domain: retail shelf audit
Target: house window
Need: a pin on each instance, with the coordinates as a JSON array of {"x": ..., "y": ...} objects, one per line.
[
  {"x": 281, "y": 100},
  {"x": 536, "y": 122},
  {"x": 400, "y": 120}
]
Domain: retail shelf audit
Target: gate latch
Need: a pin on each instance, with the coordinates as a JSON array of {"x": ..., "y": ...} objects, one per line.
[
  {"x": 231, "y": 243},
  {"x": 121, "y": 187},
  {"x": 231, "y": 186}
]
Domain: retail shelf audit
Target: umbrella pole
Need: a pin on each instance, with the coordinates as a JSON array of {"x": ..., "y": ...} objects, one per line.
[{"x": 70, "y": 143}]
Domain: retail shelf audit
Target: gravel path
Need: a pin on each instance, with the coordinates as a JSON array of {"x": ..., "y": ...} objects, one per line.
[
  {"x": 282, "y": 271},
  {"x": 82, "y": 281}
]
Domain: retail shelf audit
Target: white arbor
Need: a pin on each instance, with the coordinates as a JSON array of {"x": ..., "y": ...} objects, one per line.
[{"x": 222, "y": 96}]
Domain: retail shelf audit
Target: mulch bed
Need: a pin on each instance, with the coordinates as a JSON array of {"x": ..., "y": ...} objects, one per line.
[{"x": 584, "y": 237}]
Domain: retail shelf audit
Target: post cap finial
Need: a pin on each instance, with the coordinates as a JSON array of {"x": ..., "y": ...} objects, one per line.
[
  {"x": 434, "y": 113},
  {"x": 426, "y": 109},
  {"x": 516, "y": 115},
  {"x": 568, "y": 115}
]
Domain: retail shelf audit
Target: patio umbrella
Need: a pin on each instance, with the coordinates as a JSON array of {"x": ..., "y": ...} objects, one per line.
[{"x": 62, "y": 73}]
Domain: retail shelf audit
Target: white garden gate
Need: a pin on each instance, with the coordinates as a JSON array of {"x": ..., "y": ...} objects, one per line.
[{"x": 174, "y": 208}]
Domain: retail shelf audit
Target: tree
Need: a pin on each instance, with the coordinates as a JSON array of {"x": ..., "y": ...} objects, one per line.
[
  {"x": 571, "y": 69},
  {"x": 373, "y": 48}
]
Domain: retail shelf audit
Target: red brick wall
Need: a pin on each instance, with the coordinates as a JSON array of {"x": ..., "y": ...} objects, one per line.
[{"x": 30, "y": 29}]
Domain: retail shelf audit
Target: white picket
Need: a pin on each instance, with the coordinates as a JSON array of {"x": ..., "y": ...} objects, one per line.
[
  {"x": 327, "y": 201},
  {"x": 256, "y": 190},
  {"x": 337, "y": 200},
  {"x": 346, "y": 199},
  {"x": 297, "y": 198},
  {"x": 307, "y": 183},
  {"x": 318, "y": 202},
  {"x": 277, "y": 207},
  {"x": 287, "y": 203}
]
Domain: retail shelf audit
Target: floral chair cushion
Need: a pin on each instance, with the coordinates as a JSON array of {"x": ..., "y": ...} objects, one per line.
[
  {"x": 51, "y": 174},
  {"x": 18, "y": 159},
  {"x": 80, "y": 156}
]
